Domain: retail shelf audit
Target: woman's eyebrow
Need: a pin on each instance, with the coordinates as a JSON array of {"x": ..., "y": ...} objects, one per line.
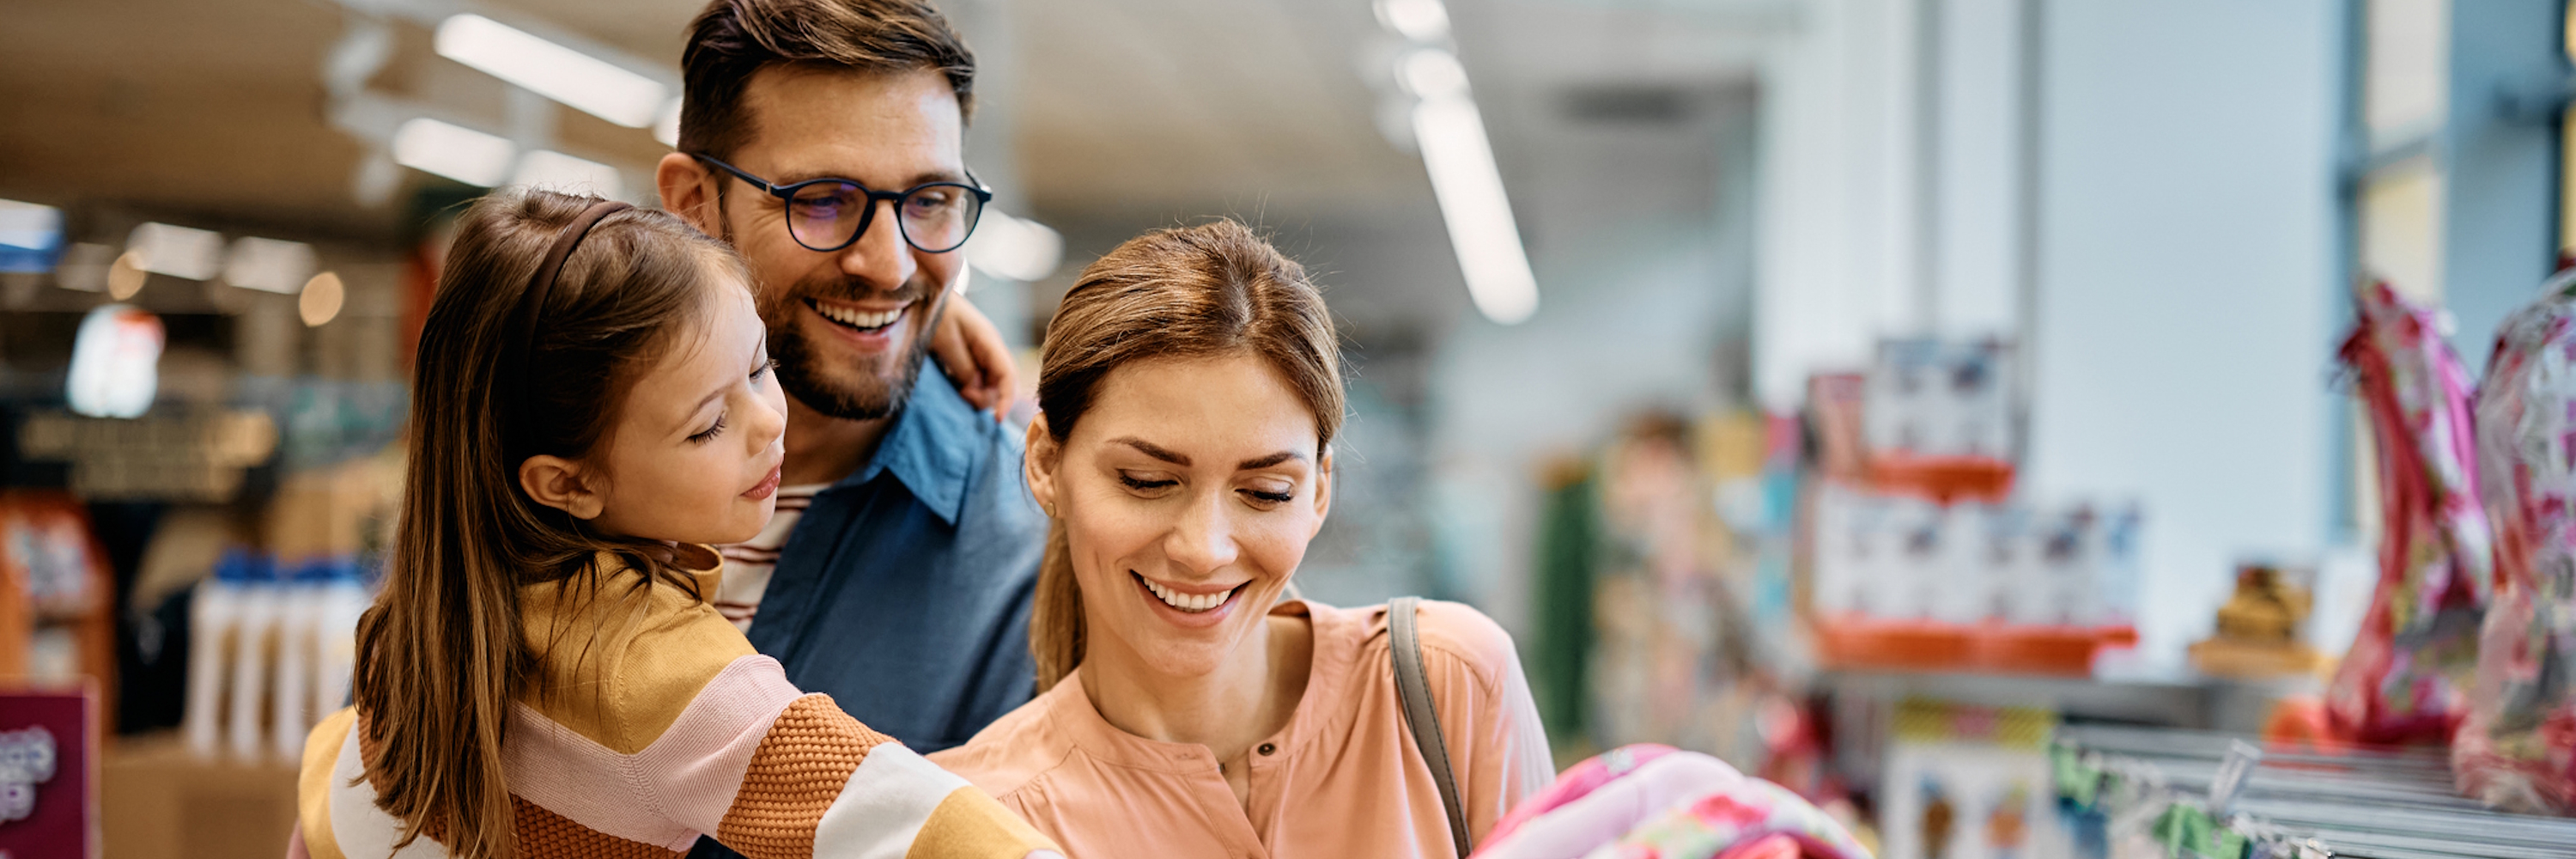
[
  {"x": 1268, "y": 461},
  {"x": 1153, "y": 450}
]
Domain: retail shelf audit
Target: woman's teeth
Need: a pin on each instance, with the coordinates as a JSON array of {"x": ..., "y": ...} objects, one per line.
[
  {"x": 1192, "y": 603},
  {"x": 856, "y": 318}
]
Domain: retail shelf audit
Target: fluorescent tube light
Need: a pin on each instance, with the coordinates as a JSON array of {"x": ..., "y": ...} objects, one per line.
[
  {"x": 1470, "y": 189},
  {"x": 666, "y": 128},
  {"x": 176, "y": 251},
  {"x": 1014, "y": 248},
  {"x": 1432, "y": 73},
  {"x": 587, "y": 83},
  {"x": 453, "y": 151},
  {"x": 1418, "y": 20},
  {"x": 555, "y": 171},
  {"x": 268, "y": 265}
]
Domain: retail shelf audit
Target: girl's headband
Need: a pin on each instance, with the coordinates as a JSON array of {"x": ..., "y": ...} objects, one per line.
[{"x": 532, "y": 301}]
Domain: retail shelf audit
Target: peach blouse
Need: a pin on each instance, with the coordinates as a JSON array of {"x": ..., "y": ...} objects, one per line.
[{"x": 1341, "y": 779}]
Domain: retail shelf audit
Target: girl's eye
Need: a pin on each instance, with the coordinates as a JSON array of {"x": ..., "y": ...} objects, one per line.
[
  {"x": 1145, "y": 485},
  {"x": 710, "y": 433},
  {"x": 763, "y": 369}
]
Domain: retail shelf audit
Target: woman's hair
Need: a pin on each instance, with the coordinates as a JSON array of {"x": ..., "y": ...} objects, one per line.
[
  {"x": 1195, "y": 292},
  {"x": 441, "y": 655}
]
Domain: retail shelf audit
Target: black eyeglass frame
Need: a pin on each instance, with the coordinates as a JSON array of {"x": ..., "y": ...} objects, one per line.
[{"x": 868, "y": 214}]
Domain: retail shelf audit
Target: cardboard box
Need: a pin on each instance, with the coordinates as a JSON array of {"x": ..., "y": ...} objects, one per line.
[{"x": 162, "y": 803}]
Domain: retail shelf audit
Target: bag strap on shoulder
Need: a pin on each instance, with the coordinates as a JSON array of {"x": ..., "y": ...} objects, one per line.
[{"x": 1414, "y": 692}]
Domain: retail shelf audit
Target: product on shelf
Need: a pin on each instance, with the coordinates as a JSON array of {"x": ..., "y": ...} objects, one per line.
[
  {"x": 2517, "y": 747},
  {"x": 2405, "y": 678},
  {"x": 273, "y": 652}
]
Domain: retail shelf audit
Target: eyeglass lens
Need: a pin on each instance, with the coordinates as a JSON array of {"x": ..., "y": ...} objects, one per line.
[{"x": 935, "y": 218}]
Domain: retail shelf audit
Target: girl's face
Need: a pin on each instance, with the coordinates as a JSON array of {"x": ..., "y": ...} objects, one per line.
[
  {"x": 1188, "y": 493},
  {"x": 695, "y": 452}
]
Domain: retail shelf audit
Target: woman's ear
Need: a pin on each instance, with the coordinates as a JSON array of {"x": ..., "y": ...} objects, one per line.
[
  {"x": 1038, "y": 465},
  {"x": 561, "y": 484},
  {"x": 1323, "y": 485}
]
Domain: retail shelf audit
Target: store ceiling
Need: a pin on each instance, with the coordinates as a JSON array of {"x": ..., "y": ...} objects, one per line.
[{"x": 213, "y": 111}]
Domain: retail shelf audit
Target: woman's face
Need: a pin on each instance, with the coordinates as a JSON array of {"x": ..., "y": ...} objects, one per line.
[{"x": 1188, "y": 493}]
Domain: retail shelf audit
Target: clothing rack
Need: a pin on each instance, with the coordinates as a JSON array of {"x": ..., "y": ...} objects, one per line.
[{"x": 2131, "y": 793}]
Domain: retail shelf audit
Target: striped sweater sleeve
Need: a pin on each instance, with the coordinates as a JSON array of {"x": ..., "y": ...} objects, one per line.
[{"x": 769, "y": 771}]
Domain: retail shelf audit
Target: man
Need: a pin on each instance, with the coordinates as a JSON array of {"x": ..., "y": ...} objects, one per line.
[{"x": 823, "y": 139}]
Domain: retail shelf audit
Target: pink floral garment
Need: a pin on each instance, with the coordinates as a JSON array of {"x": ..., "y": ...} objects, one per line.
[
  {"x": 2406, "y": 676},
  {"x": 1747, "y": 819},
  {"x": 2517, "y": 746}
]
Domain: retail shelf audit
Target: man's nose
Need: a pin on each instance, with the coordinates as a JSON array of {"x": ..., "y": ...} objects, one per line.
[{"x": 880, "y": 258}]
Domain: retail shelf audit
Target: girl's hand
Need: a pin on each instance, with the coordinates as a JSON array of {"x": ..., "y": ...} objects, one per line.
[{"x": 971, "y": 352}]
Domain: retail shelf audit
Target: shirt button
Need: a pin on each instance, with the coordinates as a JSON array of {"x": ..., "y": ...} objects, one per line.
[{"x": 1267, "y": 748}]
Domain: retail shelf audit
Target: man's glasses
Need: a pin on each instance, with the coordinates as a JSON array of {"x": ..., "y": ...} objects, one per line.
[{"x": 830, "y": 214}]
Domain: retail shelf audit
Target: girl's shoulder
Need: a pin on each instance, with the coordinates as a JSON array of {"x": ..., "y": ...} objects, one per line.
[{"x": 617, "y": 655}]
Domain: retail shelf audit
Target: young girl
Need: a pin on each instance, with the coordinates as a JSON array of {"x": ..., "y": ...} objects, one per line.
[{"x": 543, "y": 675}]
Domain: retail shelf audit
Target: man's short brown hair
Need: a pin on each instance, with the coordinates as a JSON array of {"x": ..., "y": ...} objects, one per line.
[{"x": 734, "y": 39}]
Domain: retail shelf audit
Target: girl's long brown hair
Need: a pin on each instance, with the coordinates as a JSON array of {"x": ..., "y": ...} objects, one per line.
[
  {"x": 1209, "y": 290},
  {"x": 441, "y": 655}
]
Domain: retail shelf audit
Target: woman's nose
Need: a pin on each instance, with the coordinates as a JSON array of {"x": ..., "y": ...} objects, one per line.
[{"x": 1202, "y": 541}]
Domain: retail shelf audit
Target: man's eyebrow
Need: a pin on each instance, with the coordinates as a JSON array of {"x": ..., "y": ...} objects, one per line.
[
  {"x": 1268, "y": 461},
  {"x": 1153, "y": 450},
  {"x": 791, "y": 177}
]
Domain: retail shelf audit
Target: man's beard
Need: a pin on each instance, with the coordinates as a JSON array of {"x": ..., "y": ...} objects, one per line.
[{"x": 801, "y": 374}]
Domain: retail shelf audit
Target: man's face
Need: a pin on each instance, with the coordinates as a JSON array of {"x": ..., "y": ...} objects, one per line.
[{"x": 848, "y": 327}]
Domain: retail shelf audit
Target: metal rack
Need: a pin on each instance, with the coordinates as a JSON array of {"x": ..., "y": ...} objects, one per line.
[{"x": 2198, "y": 794}]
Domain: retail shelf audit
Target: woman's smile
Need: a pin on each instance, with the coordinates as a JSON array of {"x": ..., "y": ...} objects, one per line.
[{"x": 1194, "y": 606}]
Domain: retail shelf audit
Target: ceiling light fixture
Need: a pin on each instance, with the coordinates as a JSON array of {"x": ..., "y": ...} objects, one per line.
[
  {"x": 321, "y": 300},
  {"x": 586, "y": 83},
  {"x": 176, "y": 251},
  {"x": 268, "y": 265},
  {"x": 1460, "y": 161},
  {"x": 1418, "y": 20},
  {"x": 30, "y": 236},
  {"x": 453, "y": 151},
  {"x": 1014, "y": 248}
]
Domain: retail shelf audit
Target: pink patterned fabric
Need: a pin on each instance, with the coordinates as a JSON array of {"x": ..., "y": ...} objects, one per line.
[
  {"x": 1622, "y": 794},
  {"x": 1579, "y": 780},
  {"x": 2517, "y": 748},
  {"x": 1747, "y": 819},
  {"x": 2406, "y": 677}
]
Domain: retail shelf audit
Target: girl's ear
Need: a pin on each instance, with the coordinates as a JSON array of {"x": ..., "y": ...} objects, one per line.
[
  {"x": 1039, "y": 465},
  {"x": 561, "y": 484}
]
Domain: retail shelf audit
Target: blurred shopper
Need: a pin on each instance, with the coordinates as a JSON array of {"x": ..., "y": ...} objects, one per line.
[
  {"x": 823, "y": 139},
  {"x": 1189, "y": 392},
  {"x": 593, "y": 402}
]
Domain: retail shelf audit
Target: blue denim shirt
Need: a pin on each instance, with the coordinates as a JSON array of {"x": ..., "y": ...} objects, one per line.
[{"x": 904, "y": 591}]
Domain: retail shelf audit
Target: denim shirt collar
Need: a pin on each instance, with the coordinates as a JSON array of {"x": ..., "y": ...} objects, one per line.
[{"x": 930, "y": 448}]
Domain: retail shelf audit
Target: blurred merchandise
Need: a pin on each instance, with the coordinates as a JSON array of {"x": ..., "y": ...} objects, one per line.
[
  {"x": 57, "y": 622},
  {"x": 1937, "y": 418},
  {"x": 2517, "y": 748},
  {"x": 160, "y": 802},
  {"x": 49, "y": 754},
  {"x": 1963, "y": 781},
  {"x": 2408, "y": 670},
  {"x": 2136, "y": 793},
  {"x": 177, "y": 455},
  {"x": 273, "y": 652},
  {"x": 2261, "y": 626}
]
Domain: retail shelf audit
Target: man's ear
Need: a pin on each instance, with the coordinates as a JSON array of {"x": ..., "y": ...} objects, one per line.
[
  {"x": 561, "y": 484},
  {"x": 1040, "y": 462},
  {"x": 689, "y": 192}
]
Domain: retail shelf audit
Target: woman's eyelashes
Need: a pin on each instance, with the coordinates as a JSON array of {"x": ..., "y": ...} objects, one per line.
[
  {"x": 1155, "y": 485},
  {"x": 1146, "y": 484}
]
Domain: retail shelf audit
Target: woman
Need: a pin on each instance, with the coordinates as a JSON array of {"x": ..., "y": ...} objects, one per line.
[{"x": 1189, "y": 391}]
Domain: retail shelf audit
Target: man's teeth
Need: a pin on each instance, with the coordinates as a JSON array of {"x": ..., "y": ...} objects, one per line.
[
  {"x": 1189, "y": 602},
  {"x": 857, "y": 318}
]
